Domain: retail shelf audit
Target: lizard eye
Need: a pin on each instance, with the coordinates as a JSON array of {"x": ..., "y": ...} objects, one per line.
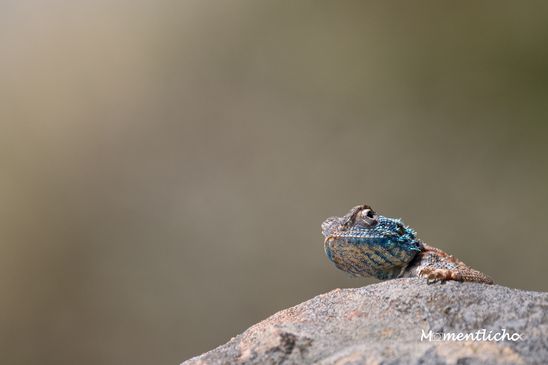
[{"x": 369, "y": 217}]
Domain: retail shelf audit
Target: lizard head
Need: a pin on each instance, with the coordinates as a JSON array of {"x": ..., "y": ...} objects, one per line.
[{"x": 365, "y": 243}]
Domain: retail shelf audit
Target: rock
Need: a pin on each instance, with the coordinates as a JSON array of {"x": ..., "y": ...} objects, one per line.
[{"x": 384, "y": 323}]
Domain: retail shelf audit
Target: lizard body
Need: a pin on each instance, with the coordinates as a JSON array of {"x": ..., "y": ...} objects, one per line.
[{"x": 363, "y": 243}]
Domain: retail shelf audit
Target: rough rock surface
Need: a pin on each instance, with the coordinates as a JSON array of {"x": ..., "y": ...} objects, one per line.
[{"x": 383, "y": 323}]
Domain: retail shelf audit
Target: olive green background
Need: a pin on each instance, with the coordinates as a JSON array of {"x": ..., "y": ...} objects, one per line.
[{"x": 166, "y": 165}]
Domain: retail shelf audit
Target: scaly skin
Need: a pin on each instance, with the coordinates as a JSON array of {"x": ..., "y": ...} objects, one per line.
[{"x": 363, "y": 243}]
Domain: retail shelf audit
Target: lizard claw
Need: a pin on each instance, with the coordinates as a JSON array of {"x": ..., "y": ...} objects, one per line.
[{"x": 434, "y": 275}]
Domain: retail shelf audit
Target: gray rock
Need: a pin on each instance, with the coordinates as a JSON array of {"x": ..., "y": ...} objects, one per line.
[{"x": 383, "y": 324}]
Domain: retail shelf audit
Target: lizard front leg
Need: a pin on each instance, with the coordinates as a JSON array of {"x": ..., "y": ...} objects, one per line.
[{"x": 435, "y": 265}]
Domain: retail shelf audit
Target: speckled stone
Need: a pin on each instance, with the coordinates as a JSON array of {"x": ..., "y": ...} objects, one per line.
[{"x": 383, "y": 323}]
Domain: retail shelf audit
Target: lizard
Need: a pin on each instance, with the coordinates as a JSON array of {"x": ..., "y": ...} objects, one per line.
[{"x": 364, "y": 243}]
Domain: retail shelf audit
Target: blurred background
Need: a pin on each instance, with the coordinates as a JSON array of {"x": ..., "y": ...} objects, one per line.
[{"x": 166, "y": 165}]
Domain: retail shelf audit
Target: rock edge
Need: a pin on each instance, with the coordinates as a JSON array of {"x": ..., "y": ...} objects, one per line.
[{"x": 383, "y": 323}]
